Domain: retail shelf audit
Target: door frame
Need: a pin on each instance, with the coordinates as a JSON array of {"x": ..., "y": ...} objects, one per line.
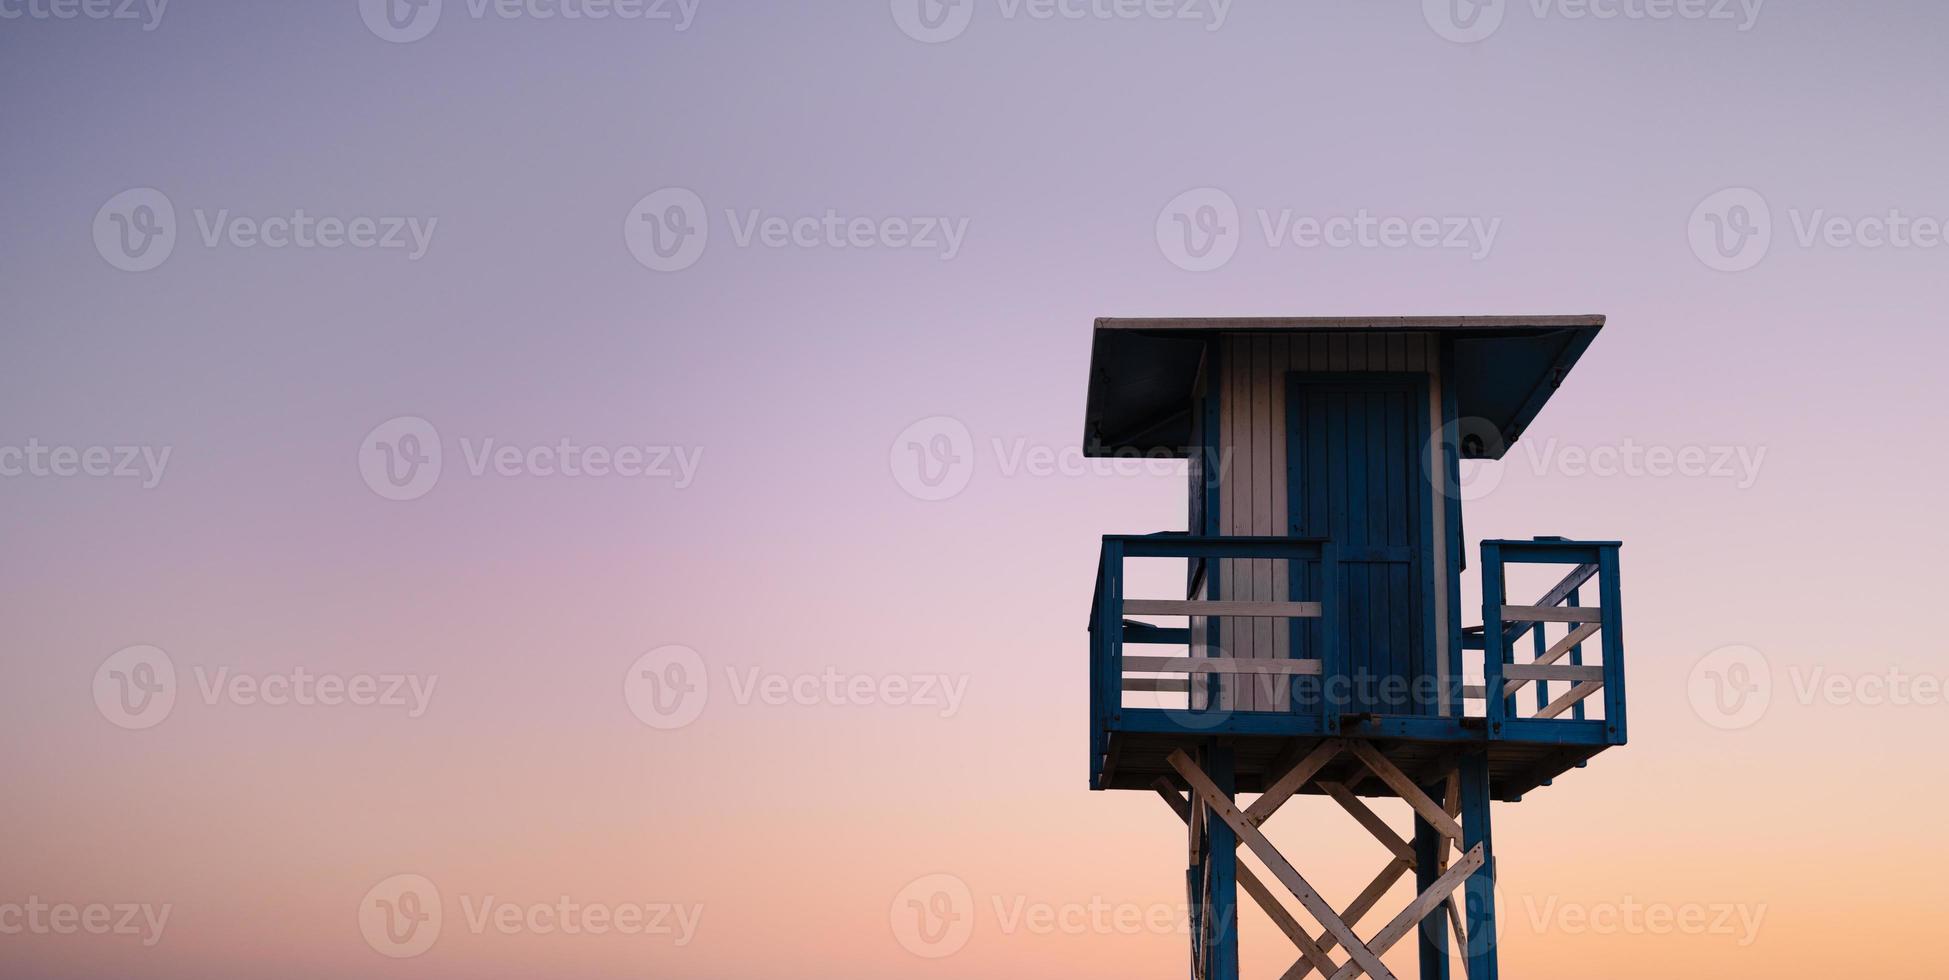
[{"x": 1421, "y": 571}]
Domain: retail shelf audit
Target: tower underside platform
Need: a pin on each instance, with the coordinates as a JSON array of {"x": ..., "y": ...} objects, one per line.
[{"x": 1136, "y": 760}]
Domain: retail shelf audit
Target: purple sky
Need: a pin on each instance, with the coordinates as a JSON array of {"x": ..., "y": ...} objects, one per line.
[{"x": 1005, "y": 186}]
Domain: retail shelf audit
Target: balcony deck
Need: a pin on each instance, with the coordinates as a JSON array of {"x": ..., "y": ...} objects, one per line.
[{"x": 1562, "y": 702}]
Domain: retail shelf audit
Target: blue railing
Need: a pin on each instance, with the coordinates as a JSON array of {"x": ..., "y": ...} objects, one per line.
[
  {"x": 1310, "y": 598},
  {"x": 1558, "y": 661},
  {"x": 1565, "y": 675}
]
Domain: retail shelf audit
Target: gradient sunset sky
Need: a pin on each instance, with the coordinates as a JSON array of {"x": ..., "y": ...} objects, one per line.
[{"x": 777, "y": 538}]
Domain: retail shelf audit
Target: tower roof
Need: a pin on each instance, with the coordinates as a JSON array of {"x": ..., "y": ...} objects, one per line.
[{"x": 1143, "y": 369}]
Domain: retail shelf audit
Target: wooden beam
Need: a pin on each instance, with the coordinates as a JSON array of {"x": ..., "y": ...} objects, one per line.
[
  {"x": 1406, "y": 789},
  {"x": 1417, "y": 910},
  {"x": 1455, "y": 924},
  {"x": 1552, "y": 672},
  {"x": 1224, "y": 809},
  {"x": 1368, "y": 898},
  {"x": 1218, "y": 665},
  {"x": 1293, "y": 781},
  {"x": 1571, "y": 697},
  {"x": 1367, "y": 818},
  {"x": 1553, "y": 614},
  {"x": 1168, "y": 685},
  {"x": 1554, "y": 653},
  {"x": 1310, "y": 951},
  {"x": 1221, "y": 607}
]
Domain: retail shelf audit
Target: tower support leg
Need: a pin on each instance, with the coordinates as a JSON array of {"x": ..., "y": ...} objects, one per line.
[
  {"x": 1221, "y": 873},
  {"x": 1430, "y": 850},
  {"x": 1480, "y": 890}
]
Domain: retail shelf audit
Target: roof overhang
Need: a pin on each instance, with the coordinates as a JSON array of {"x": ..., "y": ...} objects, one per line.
[{"x": 1143, "y": 370}]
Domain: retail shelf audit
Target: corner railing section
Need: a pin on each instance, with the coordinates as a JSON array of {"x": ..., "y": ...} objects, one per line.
[
  {"x": 1302, "y": 560},
  {"x": 1559, "y": 666}
]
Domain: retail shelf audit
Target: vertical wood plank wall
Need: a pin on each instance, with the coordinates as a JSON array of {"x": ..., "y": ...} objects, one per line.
[{"x": 1252, "y": 371}]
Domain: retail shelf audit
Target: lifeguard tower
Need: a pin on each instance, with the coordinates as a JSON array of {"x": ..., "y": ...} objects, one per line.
[{"x": 1320, "y": 628}]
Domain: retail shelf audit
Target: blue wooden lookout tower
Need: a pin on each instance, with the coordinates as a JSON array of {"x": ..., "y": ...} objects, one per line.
[{"x": 1320, "y": 648}]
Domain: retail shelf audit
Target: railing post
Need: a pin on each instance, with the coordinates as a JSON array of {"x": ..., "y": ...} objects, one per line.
[
  {"x": 1540, "y": 646},
  {"x": 1494, "y": 644},
  {"x": 1113, "y": 628},
  {"x": 1613, "y": 637},
  {"x": 1099, "y": 635},
  {"x": 1576, "y": 601},
  {"x": 1331, "y": 648}
]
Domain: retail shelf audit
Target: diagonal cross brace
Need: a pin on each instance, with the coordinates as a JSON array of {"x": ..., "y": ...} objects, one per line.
[
  {"x": 1418, "y": 910},
  {"x": 1224, "y": 809},
  {"x": 1312, "y": 953}
]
